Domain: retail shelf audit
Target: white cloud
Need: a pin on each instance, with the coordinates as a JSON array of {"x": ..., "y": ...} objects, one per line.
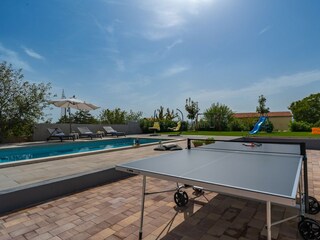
[
  {"x": 156, "y": 35},
  {"x": 268, "y": 86},
  {"x": 262, "y": 31},
  {"x": 174, "y": 70},
  {"x": 167, "y": 19},
  {"x": 32, "y": 53},
  {"x": 167, "y": 16},
  {"x": 13, "y": 58},
  {"x": 282, "y": 83},
  {"x": 106, "y": 28},
  {"x": 120, "y": 65},
  {"x": 172, "y": 45},
  {"x": 110, "y": 29},
  {"x": 126, "y": 87}
]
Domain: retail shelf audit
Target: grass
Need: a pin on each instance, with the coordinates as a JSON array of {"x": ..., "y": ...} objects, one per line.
[{"x": 244, "y": 134}]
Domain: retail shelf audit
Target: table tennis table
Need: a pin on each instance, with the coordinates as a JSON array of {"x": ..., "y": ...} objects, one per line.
[{"x": 268, "y": 172}]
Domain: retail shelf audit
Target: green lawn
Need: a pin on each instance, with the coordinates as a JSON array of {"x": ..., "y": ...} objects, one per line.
[{"x": 244, "y": 134}]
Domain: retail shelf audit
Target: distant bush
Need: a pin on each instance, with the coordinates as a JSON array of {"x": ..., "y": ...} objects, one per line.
[
  {"x": 317, "y": 124},
  {"x": 236, "y": 125},
  {"x": 248, "y": 123},
  {"x": 267, "y": 126},
  {"x": 218, "y": 116},
  {"x": 145, "y": 124},
  {"x": 203, "y": 125},
  {"x": 300, "y": 126},
  {"x": 199, "y": 142}
]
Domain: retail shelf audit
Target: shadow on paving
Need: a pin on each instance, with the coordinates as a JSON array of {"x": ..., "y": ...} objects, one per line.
[{"x": 230, "y": 218}]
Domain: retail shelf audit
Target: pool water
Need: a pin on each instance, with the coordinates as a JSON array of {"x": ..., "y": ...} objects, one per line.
[{"x": 49, "y": 150}]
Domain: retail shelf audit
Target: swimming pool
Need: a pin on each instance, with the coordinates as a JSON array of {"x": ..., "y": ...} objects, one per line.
[{"x": 17, "y": 154}]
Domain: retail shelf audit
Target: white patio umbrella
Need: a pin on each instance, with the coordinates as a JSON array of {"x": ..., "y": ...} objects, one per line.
[{"x": 73, "y": 103}]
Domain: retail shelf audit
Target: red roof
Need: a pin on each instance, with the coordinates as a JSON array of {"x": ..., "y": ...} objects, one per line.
[{"x": 270, "y": 114}]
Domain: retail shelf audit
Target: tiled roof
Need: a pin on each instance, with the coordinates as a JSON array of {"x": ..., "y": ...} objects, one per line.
[{"x": 270, "y": 114}]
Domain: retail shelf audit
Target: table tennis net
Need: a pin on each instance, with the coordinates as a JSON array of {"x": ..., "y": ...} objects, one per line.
[{"x": 250, "y": 147}]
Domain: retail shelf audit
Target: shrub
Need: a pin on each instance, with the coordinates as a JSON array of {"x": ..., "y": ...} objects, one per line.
[
  {"x": 218, "y": 116},
  {"x": 145, "y": 124},
  {"x": 198, "y": 143},
  {"x": 203, "y": 125},
  {"x": 267, "y": 126},
  {"x": 236, "y": 125},
  {"x": 317, "y": 124},
  {"x": 300, "y": 126},
  {"x": 248, "y": 123}
]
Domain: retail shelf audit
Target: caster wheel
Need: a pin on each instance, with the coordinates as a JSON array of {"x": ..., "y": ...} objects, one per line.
[
  {"x": 309, "y": 229},
  {"x": 198, "y": 191},
  {"x": 181, "y": 198},
  {"x": 314, "y": 206}
]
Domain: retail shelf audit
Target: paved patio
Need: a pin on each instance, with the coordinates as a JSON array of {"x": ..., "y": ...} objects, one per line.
[{"x": 112, "y": 211}]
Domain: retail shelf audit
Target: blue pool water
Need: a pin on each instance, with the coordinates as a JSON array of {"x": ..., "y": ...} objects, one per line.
[{"x": 31, "y": 152}]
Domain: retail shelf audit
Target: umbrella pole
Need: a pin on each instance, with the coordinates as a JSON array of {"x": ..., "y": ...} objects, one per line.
[{"x": 69, "y": 110}]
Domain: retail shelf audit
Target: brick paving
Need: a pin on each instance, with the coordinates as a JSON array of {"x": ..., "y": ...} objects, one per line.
[{"x": 112, "y": 212}]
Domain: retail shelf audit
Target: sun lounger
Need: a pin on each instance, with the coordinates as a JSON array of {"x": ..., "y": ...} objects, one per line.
[
  {"x": 85, "y": 132},
  {"x": 155, "y": 128},
  {"x": 176, "y": 129},
  {"x": 112, "y": 132},
  {"x": 58, "y": 133}
]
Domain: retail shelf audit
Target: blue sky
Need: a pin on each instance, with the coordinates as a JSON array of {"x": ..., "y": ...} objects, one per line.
[{"x": 143, "y": 54}]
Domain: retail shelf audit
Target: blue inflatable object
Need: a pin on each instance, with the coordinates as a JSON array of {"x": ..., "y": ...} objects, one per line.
[{"x": 258, "y": 125}]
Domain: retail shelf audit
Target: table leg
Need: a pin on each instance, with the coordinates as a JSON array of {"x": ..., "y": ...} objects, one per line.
[
  {"x": 269, "y": 220},
  {"x": 142, "y": 206}
]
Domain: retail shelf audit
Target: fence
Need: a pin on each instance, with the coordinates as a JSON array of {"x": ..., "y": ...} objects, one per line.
[{"x": 41, "y": 130}]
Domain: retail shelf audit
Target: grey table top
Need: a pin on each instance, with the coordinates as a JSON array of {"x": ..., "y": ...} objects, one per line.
[{"x": 268, "y": 169}]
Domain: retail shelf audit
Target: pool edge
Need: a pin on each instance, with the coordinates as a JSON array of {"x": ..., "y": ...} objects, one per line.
[{"x": 46, "y": 159}]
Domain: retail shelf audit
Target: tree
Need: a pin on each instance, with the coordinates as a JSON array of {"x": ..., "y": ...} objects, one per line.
[
  {"x": 192, "y": 109},
  {"x": 170, "y": 115},
  {"x": 262, "y": 109},
  {"x": 160, "y": 114},
  {"x": 218, "y": 116},
  {"x": 133, "y": 116},
  {"x": 307, "y": 109},
  {"x": 83, "y": 116},
  {"x": 116, "y": 116},
  {"x": 21, "y": 103},
  {"x": 66, "y": 119}
]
